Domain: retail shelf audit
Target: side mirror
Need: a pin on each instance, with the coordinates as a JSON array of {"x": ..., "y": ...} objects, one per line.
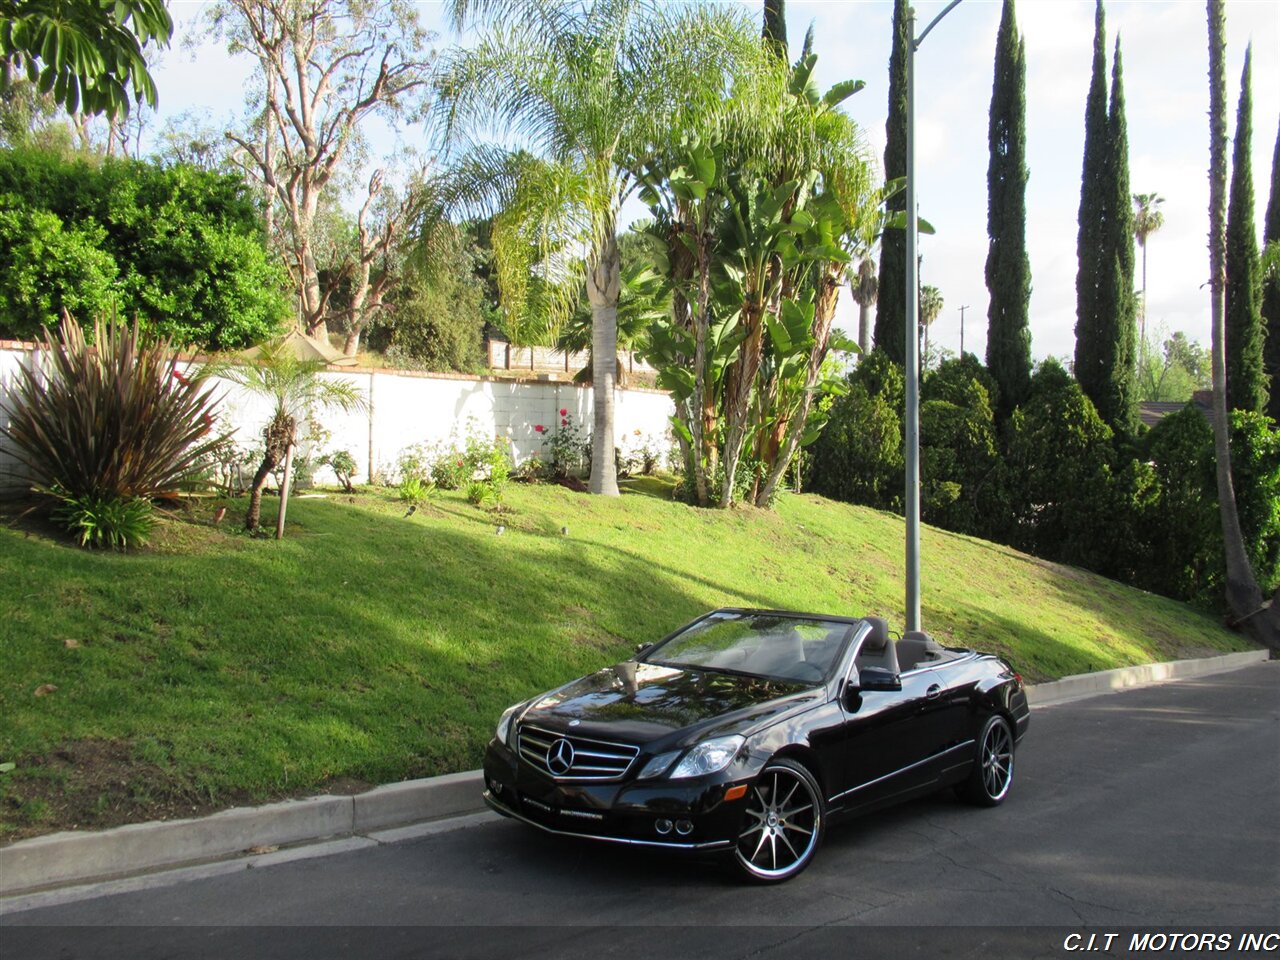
[{"x": 877, "y": 678}]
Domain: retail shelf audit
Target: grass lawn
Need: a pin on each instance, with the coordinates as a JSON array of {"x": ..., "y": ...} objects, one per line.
[{"x": 370, "y": 647}]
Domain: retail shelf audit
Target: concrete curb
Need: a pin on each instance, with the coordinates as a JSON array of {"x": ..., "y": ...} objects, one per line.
[
  {"x": 83, "y": 857},
  {"x": 75, "y": 857},
  {"x": 1110, "y": 681}
]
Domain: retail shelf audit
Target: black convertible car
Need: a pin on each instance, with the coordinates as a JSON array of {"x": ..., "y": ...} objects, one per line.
[{"x": 748, "y": 730}]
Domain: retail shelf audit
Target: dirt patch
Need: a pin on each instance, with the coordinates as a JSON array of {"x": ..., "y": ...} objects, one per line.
[
  {"x": 89, "y": 784},
  {"x": 95, "y": 784}
]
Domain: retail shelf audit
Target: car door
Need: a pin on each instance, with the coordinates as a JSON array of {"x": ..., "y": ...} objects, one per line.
[{"x": 883, "y": 743}]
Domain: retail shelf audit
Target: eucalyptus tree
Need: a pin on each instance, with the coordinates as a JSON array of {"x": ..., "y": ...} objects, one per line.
[
  {"x": 325, "y": 69},
  {"x": 589, "y": 89}
]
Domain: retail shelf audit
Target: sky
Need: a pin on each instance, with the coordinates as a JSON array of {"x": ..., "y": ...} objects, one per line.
[{"x": 1164, "y": 49}]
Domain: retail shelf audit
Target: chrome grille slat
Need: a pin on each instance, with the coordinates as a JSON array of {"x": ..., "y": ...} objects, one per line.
[{"x": 609, "y": 761}]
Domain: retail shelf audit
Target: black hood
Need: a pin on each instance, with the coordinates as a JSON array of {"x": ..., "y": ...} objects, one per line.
[{"x": 644, "y": 702}]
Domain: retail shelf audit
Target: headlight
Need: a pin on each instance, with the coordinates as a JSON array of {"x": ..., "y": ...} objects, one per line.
[
  {"x": 504, "y": 723},
  {"x": 709, "y": 756},
  {"x": 658, "y": 765}
]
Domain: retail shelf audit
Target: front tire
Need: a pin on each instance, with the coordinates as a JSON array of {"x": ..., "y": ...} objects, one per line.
[
  {"x": 992, "y": 774},
  {"x": 783, "y": 823}
]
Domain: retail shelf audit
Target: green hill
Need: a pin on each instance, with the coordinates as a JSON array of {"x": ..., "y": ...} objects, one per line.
[{"x": 370, "y": 647}]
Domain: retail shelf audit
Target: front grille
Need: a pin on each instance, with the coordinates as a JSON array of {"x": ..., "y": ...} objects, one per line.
[{"x": 587, "y": 759}]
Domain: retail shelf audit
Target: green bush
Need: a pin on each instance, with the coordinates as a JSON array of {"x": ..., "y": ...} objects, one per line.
[
  {"x": 1255, "y": 466},
  {"x": 343, "y": 465},
  {"x": 415, "y": 490},
  {"x": 117, "y": 420},
  {"x": 180, "y": 247},
  {"x": 858, "y": 457},
  {"x": 1059, "y": 456},
  {"x": 961, "y": 470},
  {"x": 117, "y": 523},
  {"x": 480, "y": 493}
]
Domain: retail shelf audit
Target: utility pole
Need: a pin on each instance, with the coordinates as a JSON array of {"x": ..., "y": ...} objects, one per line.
[
  {"x": 962, "y": 310},
  {"x": 912, "y": 342}
]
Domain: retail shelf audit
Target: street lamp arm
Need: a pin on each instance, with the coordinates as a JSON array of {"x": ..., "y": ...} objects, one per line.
[{"x": 933, "y": 23}]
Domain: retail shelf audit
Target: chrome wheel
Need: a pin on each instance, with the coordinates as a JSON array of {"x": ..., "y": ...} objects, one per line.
[
  {"x": 997, "y": 761},
  {"x": 782, "y": 825},
  {"x": 992, "y": 774}
]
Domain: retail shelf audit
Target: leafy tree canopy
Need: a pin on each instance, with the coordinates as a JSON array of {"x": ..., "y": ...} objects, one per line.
[
  {"x": 180, "y": 248},
  {"x": 87, "y": 53}
]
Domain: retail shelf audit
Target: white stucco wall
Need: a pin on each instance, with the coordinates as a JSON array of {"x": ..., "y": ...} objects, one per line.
[{"x": 406, "y": 409}]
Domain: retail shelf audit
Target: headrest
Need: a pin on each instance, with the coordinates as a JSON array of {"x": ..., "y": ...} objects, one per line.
[{"x": 878, "y": 639}]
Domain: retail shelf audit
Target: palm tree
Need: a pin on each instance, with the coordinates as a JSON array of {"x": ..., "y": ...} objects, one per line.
[
  {"x": 930, "y": 308},
  {"x": 1244, "y": 596},
  {"x": 592, "y": 87},
  {"x": 1147, "y": 219},
  {"x": 295, "y": 387},
  {"x": 864, "y": 286}
]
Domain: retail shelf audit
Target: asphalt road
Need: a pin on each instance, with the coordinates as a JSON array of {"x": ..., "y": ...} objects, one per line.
[{"x": 1149, "y": 809}]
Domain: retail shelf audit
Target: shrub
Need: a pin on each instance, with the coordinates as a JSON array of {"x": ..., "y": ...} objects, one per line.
[
  {"x": 343, "y": 465},
  {"x": 858, "y": 456},
  {"x": 564, "y": 446},
  {"x": 415, "y": 490},
  {"x": 117, "y": 523},
  {"x": 480, "y": 493},
  {"x": 116, "y": 420}
]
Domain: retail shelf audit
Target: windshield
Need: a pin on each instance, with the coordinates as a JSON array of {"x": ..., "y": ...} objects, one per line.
[{"x": 762, "y": 645}]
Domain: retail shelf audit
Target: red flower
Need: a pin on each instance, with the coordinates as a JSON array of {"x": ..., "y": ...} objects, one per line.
[
  {"x": 564, "y": 422},
  {"x": 564, "y": 412},
  {"x": 177, "y": 375},
  {"x": 539, "y": 428}
]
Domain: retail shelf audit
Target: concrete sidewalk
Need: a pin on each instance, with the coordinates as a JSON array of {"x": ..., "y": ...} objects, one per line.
[{"x": 248, "y": 834}]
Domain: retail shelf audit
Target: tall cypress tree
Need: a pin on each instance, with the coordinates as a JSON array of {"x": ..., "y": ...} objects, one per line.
[
  {"x": 775, "y": 25},
  {"x": 1090, "y": 365},
  {"x": 1271, "y": 292},
  {"x": 1117, "y": 300},
  {"x": 891, "y": 305},
  {"x": 1246, "y": 384},
  {"x": 1105, "y": 304},
  {"x": 1008, "y": 268}
]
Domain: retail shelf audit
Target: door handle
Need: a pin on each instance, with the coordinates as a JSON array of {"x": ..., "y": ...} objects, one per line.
[{"x": 933, "y": 693}]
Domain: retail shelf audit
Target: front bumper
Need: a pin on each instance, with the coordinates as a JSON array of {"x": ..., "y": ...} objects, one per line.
[
  {"x": 499, "y": 807},
  {"x": 626, "y": 812}
]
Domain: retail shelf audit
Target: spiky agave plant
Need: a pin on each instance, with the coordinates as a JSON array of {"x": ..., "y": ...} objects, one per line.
[{"x": 112, "y": 420}]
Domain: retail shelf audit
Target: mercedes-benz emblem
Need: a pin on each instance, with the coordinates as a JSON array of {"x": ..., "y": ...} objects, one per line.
[{"x": 560, "y": 757}]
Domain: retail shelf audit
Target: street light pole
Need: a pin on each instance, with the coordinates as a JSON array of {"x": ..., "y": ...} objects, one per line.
[{"x": 912, "y": 338}]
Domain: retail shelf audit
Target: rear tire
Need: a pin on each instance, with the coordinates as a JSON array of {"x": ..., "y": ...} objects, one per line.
[
  {"x": 782, "y": 826},
  {"x": 991, "y": 778}
]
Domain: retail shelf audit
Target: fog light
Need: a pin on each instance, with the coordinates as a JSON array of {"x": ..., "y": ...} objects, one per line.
[
  {"x": 663, "y": 826},
  {"x": 684, "y": 827}
]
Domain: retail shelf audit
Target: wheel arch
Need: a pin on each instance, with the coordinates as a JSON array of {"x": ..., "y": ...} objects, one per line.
[{"x": 807, "y": 757}]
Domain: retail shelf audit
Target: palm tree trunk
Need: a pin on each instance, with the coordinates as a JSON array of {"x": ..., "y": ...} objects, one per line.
[
  {"x": 603, "y": 288},
  {"x": 1144, "y": 296},
  {"x": 1244, "y": 597},
  {"x": 864, "y": 327},
  {"x": 253, "y": 518}
]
